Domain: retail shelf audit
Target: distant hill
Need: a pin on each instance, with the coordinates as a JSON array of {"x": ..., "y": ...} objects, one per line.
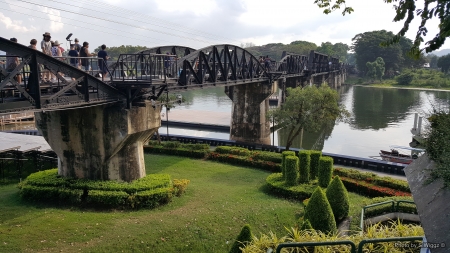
[{"x": 441, "y": 52}]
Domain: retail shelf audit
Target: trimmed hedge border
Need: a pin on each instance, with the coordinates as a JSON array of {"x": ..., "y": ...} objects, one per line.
[
  {"x": 244, "y": 161},
  {"x": 148, "y": 192}
]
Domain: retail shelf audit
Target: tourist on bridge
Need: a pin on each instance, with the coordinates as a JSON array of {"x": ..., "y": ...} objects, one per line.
[
  {"x": 56, "y": 51},
  {"x": 33, "y": 44},
  {"x": 84, "y": 53},
  {"x": 73, "y": 54},
  {"x": 267, "y": 62},
  {"x": 77, "y": 46},
  {"x": 46, "y": 47},
  {"x": 12, "y": 62},
  {"x": 102, "y": 63}
]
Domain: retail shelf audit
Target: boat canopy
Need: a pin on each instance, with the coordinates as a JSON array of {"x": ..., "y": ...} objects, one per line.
[{"x": 408, "y": 148}]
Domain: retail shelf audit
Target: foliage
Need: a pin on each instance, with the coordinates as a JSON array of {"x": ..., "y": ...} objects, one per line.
[
  {"x": 337, "y": 195},
  {"x": 244, "y": 238},
  {"x": 283, "y": 161},
  {"x": 267, "y": 156},
  {"x": 394, "y": 229},
  {"x": 325, "y": 170},
  {"x": 314, "y": 164},
  {"x": 180, "y": 186},
  {"x": 306, "y": 225},
  {"x": 438, "y": 144},
  {"x": 178, "y": 152},
  {"x": 275, "y": 50},
  {"x": 372, "y": 178},
  {"x": 309, "y": 108},
  {"x": 319, "y": 213},
  {"x": 406, "y": 10},
  {"x": 338, "y": 50},
  {"x": 233, "y": 150},
  {"x": 432, "y": 60},
  {"x": 276, "y": 185},
  {"x": 47, "y": 186},
  {"x": 291, "y": 170},
  {"x": 115, "y": 52},
  {"x": 444, "y": 63},
  {"x": 367, "y": 49},
  {"x": 405, "y": 78},
  {"x": 244, "y": 161},
  {"x": 304, "y": 165}
]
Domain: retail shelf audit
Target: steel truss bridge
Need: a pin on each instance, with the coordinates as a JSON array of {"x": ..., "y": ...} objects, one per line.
[{"x": 143, "y": 75}]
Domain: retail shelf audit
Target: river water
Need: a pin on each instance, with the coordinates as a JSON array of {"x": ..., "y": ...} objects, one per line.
[{"x": 380, "y": 117}]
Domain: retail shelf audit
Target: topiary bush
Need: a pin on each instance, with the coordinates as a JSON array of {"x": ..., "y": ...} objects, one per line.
[
  {"x": 244, "y": 238},
  {"x": 314, "y": 164},
  {"x": 304, "y": 165},
  {"x": 291, "y": 170},
  {"x": 306, "y": 225},
  {"x": 337, "y": 195},
  {"x": 319, "y": 212},
  {"x": 325, "y": 170},
  {"x": 283, "y": 156}
]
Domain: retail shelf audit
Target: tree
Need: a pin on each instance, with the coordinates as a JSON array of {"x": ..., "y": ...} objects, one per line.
[
  {"x": 244, "y": 237},
  {"x": 337, "y": 195},
  {"x": 319, "y": 213},
  {"x": 114, "y": 52},
  {"x": 367, "y": 49},
  {"x": 432, "y": 59},
  {"x": 307, "y": 107},
  {"x": 444, "y": 63},
  {"x": 407, "y": 11},
  {"x": 379, "y": 68}
]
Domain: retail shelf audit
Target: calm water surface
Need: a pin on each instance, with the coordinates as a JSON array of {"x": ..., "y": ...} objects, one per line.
[{"x": 380, "y": 117}]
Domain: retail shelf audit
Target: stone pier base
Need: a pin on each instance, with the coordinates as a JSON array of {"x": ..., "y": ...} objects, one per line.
[{"x": 102, "y": 142}]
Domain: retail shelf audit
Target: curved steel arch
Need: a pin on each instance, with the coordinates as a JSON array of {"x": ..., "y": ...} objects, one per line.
[
  {"x": 218, "y": 63},
  {"x": 293, "y": 64},
  {"x": 172, "y": 49}
]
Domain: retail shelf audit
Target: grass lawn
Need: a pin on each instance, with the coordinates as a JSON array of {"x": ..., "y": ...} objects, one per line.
[{"x": 219, "y": 200}]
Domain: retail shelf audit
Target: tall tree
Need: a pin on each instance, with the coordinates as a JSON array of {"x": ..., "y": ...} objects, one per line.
[
  {"x": 367, "y": 48},
  {"x": 406, "y": 10},
  {"x": 338, "y": 50},
  {"x": 432, "y": 60},
  {"x": 307, "y": 108},
  {"x": 444, "y": 63}
]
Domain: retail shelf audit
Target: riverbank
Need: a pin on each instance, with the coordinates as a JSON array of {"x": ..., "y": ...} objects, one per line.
[{"x": 388, "y": 86}]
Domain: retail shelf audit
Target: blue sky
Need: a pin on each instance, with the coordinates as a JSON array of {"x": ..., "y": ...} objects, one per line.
[{"x": 194, "y": 23}]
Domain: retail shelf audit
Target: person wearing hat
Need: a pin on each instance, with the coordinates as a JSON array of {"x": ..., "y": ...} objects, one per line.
[
  {"x": 46, "y": 47},
  {"x": 77, "y": 46},
  {"x": 56, "y": 52}
]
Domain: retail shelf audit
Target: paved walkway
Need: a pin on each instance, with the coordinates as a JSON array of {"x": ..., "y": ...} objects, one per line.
[{"x": 8, "y": 140}]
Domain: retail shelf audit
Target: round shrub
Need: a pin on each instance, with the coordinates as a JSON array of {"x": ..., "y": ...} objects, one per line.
[
  {"x": 291, "y": 170},
  {"x": 304, "y": 165},
  {"x": 325, "y": 170},
  {"x": 242, "y": 240},
  {"x": 314, "y": 164},
  {"x": 283, "y": 156},
  {"x": 319, "y": 213},
  {"x": 337, "y": 195}
]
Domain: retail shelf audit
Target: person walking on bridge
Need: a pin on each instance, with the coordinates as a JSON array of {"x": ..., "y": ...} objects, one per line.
[
  {"x": 77, "y": 46},
  {"x": 12, "y": 62},
  {"x": 46, "y": 47},
  {"x": 103, "y": 63}
]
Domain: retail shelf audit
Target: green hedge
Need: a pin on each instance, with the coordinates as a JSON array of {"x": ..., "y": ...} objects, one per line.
[
  {"x": 276, "y": 185},
  {"x": 373, "y": 178},
  {"x": 314, "y": 164},
  {"x": 193, "y": 153},
  {"x": 283, "y": 156},
  {"x": 325, "y": 171},
  {"x": 291, "y": 170},
  {"x": 233, "y": 150},
  {"x": 304, "y": 165},
  {"x": 244, "y": 161},
  {"x": 267, "y": 156},
  {"x": 370, "y": 190},
  {"x": 47, "y": 186},
  {"x": 319, "y": 213}
]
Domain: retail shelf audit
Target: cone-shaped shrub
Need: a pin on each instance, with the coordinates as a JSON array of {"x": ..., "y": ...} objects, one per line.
[
  {"x": 283, "y": 156},
  {"x": 304, "y": 163},
  {"x": 314, "y": 164},
  {"x": 306, "y": 225},
  {"x": 319, "y": 213},
  {"x": 325, "y": 171},
  {"x": 291, "y": 170},
  {"x": 242, "y": 240},
  {"x": 337, "y": 195}
]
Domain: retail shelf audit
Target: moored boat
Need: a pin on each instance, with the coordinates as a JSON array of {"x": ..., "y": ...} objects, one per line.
[{"x": 396, "y": 157}]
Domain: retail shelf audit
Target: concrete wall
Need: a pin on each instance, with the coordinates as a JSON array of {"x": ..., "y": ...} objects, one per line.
[{"x": 100, "y": 142}]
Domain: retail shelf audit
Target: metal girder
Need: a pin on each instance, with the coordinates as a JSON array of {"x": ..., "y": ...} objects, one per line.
[{"x": 93, "y": 90}]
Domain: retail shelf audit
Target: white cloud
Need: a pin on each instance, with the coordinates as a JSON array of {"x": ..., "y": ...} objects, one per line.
[
  {"x": 56, "y": 24},
  {"x": 198, "y": 7},
  {"x": 15, "y": 25}
]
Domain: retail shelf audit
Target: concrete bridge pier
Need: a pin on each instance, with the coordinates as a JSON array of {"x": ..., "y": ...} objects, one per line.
[
  {"x": 248, "y": 115},
  {"x": 102, "y": 142}
]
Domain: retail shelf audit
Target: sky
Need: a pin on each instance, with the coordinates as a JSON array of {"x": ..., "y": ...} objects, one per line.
[{"x": 194, "y": 23}]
